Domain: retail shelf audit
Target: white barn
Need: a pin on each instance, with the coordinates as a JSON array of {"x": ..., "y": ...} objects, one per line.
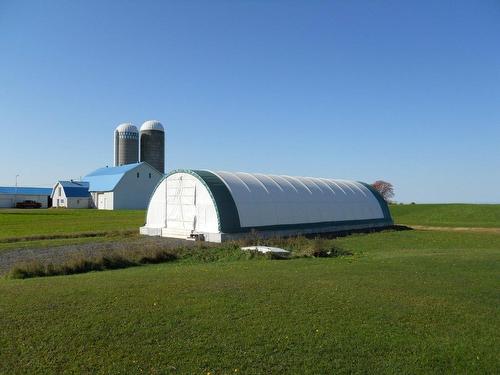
[
  {"x": 221, "y": 205},
  {"x": 10, "y": 195},
  {"x": 71, "y": 194},
  {"x": 125, "y": 187}
]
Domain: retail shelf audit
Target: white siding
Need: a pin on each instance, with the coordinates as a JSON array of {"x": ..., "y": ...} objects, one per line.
[
  {"x": 6, "y": 201},
  {"x": 134, "y": 193},
  {"x": 78, "y": 202},
  {"x": 59, "y": 200},
  {"x": 105, "y": 200}
]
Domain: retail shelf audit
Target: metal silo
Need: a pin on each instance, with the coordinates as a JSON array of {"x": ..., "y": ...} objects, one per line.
[
  {"x": 153, "y": 144},
  {"x": 126, "y": 144}
]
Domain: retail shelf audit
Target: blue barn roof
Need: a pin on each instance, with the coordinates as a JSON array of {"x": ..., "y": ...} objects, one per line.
[
  {"x": 75, "y": 189},
  {"x": 106, "y": 179},
  {"x": 25, "y": 190}
]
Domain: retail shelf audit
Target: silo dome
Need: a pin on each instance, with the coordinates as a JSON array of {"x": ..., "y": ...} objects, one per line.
[
  {"x": 127, "y": 127},
  {"x": 152, "y": 139},
  {"x": 152, "y": 125},
  {"x": 126, "y": 144}
]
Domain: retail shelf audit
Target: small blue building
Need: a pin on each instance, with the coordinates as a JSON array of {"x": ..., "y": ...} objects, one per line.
[{"x": 71, "y": 194}]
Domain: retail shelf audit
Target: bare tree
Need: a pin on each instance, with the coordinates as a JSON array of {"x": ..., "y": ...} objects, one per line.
[{"x": 385, "y": 189}]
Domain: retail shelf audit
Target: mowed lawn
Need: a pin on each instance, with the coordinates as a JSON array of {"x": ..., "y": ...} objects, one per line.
[
  {"x": 448, "y": 215},
  {"x": 404, "y": 302},
  {"x": 25, "y": 223}
]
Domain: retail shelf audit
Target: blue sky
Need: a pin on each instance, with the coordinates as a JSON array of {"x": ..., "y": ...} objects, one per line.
[{"x": 406, "y": 91}]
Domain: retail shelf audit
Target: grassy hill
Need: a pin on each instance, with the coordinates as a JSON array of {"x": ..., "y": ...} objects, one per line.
[
  {"x": 405, "y": 302},
  {"x": 448, "y": 215}
]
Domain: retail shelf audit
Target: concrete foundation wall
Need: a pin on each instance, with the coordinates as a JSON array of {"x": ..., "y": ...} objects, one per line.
[{"x": 221, "y": 237}]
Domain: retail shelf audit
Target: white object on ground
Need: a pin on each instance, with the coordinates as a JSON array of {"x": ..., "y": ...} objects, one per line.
[{"x": 266, "y": 249}]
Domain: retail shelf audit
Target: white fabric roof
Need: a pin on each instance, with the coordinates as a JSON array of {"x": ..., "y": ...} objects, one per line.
[{"x": 264, "y": 200}]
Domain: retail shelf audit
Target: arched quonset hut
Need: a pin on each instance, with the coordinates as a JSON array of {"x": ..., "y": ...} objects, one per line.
[{"x": 224, "y": 205}]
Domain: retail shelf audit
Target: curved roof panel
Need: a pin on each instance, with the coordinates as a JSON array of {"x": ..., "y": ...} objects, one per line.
[
  {"x": 269, "y": 200},
  {"x": 254, "y": 200}
]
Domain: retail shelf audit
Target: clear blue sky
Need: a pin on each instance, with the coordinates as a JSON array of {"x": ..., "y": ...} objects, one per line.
[{"x": 406, "y": 91}]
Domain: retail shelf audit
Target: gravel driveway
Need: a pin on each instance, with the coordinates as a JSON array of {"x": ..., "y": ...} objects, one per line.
[{"x": 59, "y": 254}]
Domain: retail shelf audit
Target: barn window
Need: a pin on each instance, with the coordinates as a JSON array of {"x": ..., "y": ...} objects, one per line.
[
  {"x": 150, "y": 175},
  {"x": 59, "y": 189},
  {"x": 137, "y": 174}
]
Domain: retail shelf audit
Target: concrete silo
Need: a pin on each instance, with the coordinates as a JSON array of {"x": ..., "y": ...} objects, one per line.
[
  {"x": 153, "y": 144},
  {"x": 126, "y": 144}
]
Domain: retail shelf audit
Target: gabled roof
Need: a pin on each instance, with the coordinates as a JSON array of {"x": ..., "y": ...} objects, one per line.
[
  {"x": 25, "y": 190},
  {"x": 106, "y": 179},
  {"x": 75, "y": 189}
]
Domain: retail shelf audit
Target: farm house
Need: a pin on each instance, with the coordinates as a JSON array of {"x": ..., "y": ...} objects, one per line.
[
  {"x": 218, "y": 206},
  {"x": 128, "y": 186},
  {"x": 71, "y": 194}
]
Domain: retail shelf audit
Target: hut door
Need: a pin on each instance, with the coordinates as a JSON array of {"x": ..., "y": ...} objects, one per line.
[{"x": 181, "y": 210}]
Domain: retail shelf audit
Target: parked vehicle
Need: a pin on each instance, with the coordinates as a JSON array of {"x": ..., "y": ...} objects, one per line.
[{"x": 28, "y": 204}]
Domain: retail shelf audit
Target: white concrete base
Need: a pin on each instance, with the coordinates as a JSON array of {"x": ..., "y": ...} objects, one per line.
[
  {"x": 221, "y": 237},
  {"x": 150, "y": 231}
]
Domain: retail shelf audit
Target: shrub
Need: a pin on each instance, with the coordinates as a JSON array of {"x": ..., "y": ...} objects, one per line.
[
  {"x": 81, "y": 263},
  {"x": 157, "y": 257},
  {"x": 27, "y": 269}
]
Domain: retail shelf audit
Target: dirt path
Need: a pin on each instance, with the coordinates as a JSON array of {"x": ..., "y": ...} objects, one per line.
[
  {"x": 455, "y": 229},
  {"x": 59, "y": 254}
]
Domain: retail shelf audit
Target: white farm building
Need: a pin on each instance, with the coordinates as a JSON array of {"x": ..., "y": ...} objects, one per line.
[
  {"x": 10, "y": 195},
  {"x": 71, "y": 194},
  {"x": 221, "y": 205},
  {"x": 125, "y": 187}
]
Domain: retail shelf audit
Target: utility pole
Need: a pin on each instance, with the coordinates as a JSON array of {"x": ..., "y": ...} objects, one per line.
[{"x": 15, "y": 192}]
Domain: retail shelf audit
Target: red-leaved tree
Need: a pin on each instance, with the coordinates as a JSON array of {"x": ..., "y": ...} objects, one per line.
[{"x": 385, "y": 189}]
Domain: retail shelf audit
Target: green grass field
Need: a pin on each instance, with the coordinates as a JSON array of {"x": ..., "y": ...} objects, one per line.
[
  {"x": 19, "y": 226},
  {"x": 448, "y": 215},
  {"x": 25, "y": 223},
  {"x": 404, "y": 302}
]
